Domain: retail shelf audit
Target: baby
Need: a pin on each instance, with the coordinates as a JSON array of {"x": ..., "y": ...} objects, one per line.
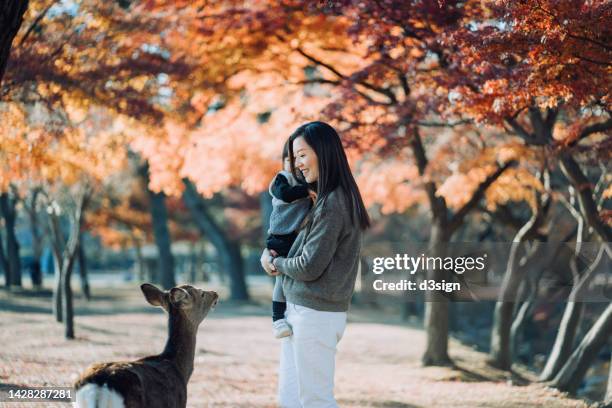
[{"x": 290, "y": 204}]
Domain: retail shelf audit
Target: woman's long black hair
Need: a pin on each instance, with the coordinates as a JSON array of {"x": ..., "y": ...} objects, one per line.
[{"x": 334, "y": 170}]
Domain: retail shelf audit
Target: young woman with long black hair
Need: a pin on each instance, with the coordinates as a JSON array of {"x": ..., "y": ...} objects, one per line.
[{"x": 319, "y": 272}]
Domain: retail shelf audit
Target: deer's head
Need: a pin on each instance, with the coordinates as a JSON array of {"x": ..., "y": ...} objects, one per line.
[{"x": 189, "y": 302}]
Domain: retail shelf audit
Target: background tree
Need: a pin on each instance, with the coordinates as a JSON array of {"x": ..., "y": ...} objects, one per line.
[
  {"x": 384, "y": 70},
  {"x": 539, "y": 69}
]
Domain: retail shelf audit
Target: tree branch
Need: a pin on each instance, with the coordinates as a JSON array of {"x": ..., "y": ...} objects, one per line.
[
  {"x": 441, "y": 124},
  {"x": 457, "y": 219},
  {"x": 386, "y": 92},
  {"x": 542, "y": 133},
  {"x": 315, "y": 81},
  {"x": 551, "y": 117},
  {"x": 528, "y": 137},
  {"x": 588, "y": 207},
  {"x": 437, "y": 204},
  {"x": 35, "y": 23},
  {"x": 595, "y": 128},
  {"x": 592, "y": 61},
  {"x": 321, "y": 63},
  {"x": 404, "y": 82}
]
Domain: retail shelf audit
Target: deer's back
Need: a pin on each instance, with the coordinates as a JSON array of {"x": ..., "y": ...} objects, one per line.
[{"x": 149, "y": 382}]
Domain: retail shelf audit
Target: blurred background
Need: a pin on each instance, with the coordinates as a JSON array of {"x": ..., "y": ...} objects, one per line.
[{"x": 138, "y": 140}]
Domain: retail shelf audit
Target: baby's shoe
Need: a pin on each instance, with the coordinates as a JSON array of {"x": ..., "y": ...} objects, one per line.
[{"x": 281, "y": 328}]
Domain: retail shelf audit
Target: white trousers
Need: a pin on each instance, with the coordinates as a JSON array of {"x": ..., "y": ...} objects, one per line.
[{"x": 308, "y": 358}]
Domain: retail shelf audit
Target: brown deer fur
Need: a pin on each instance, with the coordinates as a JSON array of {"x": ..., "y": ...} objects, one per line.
[{"x": 159, "y": 380}]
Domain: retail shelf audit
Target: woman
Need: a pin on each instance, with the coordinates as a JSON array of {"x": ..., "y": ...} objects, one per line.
[{"x": 319, "y": 272}]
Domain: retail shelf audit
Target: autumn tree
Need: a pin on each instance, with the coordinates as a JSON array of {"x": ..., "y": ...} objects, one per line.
[
  {"x": 67, "y": 162},
  {"x": 369, "y": 68},
  {"x": 541, "y": 69},
  {"x": 72, "y": 57},
  {"x": 138, "y": 61},
  {"x": 377, "y": 63}
]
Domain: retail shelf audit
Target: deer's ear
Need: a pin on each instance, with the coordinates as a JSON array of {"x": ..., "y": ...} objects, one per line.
[
  {"x": 179, "y": 297},
  {"x": 153, "y": 295}
]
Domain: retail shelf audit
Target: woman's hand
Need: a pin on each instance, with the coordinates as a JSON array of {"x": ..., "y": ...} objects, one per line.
[{"x": 266, "y": 262}]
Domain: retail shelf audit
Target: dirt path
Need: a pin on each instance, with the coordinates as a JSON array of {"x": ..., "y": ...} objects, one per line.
[{"x": 236, "y": 358}]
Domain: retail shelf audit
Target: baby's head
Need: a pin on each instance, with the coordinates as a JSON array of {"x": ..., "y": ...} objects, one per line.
[{"x": 286, "y": 160}]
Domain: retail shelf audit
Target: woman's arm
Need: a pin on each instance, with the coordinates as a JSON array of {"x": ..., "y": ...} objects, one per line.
[{"x": 318, "y": 249}]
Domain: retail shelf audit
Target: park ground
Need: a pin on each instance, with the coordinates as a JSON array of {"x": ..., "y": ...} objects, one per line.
[{"x": 378, "y": 361}]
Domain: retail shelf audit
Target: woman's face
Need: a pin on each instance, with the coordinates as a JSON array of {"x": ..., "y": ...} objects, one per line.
[{"x": 306, "y": 160}]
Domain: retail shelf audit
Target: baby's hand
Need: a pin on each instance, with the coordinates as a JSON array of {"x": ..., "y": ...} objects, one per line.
[
  {"x": 273, "y": 253},
  {"x": 312, "y": 195}
]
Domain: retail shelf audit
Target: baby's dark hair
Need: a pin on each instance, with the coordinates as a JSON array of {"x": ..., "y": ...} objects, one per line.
[{"x": 286, "y": 150}]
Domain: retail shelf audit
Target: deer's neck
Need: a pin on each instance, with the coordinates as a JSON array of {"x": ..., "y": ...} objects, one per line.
[{"x": 180, "y": 347}]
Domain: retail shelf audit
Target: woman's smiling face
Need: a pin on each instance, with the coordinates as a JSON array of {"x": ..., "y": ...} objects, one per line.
[{"x": 306, "y": 160}]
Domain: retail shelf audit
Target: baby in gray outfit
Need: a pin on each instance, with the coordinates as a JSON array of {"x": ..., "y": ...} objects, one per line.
[{"x": 290, "y": 204}]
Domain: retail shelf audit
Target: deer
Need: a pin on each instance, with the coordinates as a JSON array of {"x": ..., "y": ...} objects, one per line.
[{"x": 157, "y": 380}]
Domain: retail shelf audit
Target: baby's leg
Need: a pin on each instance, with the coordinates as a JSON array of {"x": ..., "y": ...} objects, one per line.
[
  {"x": 279, "y": 304},
  {"x": 278, "y": 295}
]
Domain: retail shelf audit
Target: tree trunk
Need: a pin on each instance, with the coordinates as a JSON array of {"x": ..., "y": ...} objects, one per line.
[
  {"x": 531, "y": 286},
  {"x": 36, "y": 274},
  {"x": 11, "y": 18},
  {"x": 228, "y": 250},
  {"x": 443, "y": 227},
  {"x": 70, "y": 255},
  {"x": 4, "y": 264},
  {"x": 37, "y": 245},
  {"x": 9, "y": 212},
  {"x": 572, "y": 315},
  {"x": 65, "y": 254},
  {"x": 57, "y": 245},
  {"x": 64, "y": 291},
  {"x": 65, "y": 278},
  {"x": 235, "y": 261},
  {"x": 564, "y": 341},
  {"x": 571, "y": 375},
  {"x": 504, "y": 322},
  {"x": 436, "y": 306},
  {"x": 516, "y": 330},
  {"x": 82, "y": 259},
  {"x": 57, "y": 292},
  {"x": 500, "y": 355},
  {"x": 159, "y": 219},
  {"x": 67, "y": 298},
  {"x": 436, "y": 324},
  {"x": 161, "y": 233}
]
